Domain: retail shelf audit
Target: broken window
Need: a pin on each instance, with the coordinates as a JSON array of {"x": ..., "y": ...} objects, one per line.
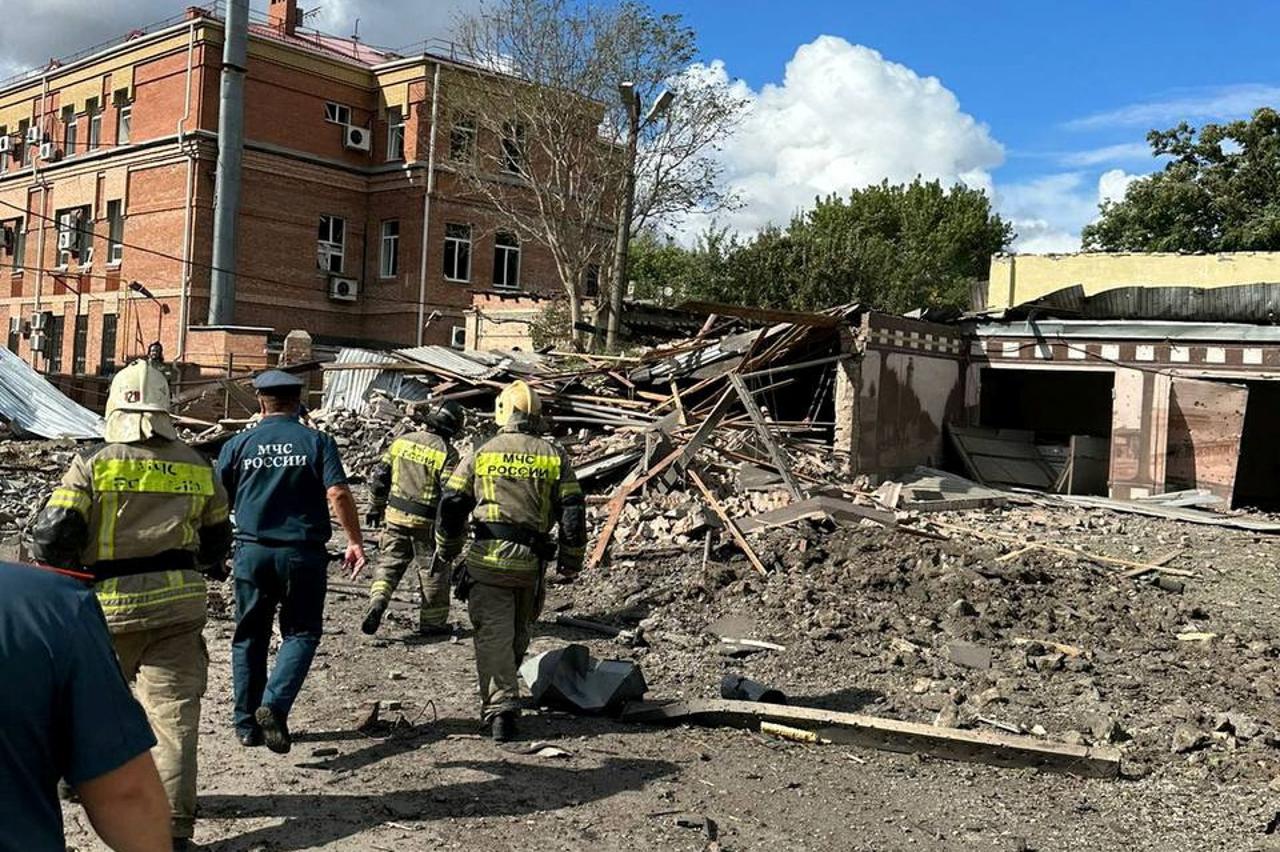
[
  {"x": 331, "y": 244},
  {"x": 457, "y": 252},
  {"x": 506, "y": 262}
]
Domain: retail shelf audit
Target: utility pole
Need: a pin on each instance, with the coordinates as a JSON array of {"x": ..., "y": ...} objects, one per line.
[
  {"x": 222, "y": 294},
  {"x": 631, "y": 102}
]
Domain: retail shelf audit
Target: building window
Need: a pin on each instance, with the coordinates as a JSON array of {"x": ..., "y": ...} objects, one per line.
[
  {"x": 457, "y": 252},
  {"x": 462, "y": 140},
  {"x": 329, "y": 251},
  {"x": 389, "y": 264},
  {"x": 124, "y": 117},
  {"x": 591, "y": 281},
  {"x": 4, "y": 157},
  {"x": 458, "y": 337},
  {"x": 78, "y": 222},
  {"x": 79, "y": 344},
  {"x": 70, "y": 128},
  {"x": 395, "y": 133},
  {"x": 53, "y": 344},
  {"x": 506, "y": 262},
  {"x": 512, "y": 147},
  {"x": 337, "y": 113},
  {"x": 115, "y": 231},
  {"x": 95, "y": 123},
  {"x": 13, "y": 237},
  {"x": 15, "y": 330},
  {"x": 107, "y": 355},
  {"x": 25, "y": 156}
]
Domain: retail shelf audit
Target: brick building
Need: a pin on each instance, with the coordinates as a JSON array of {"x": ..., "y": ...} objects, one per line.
[{"x": 107, "y": 178}]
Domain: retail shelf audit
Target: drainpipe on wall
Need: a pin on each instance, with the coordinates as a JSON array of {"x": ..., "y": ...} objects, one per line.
[
  {"x": 426, "y": 207},
  {"x": 38, "y": 178},
  {"x": 186, "y": 213}
]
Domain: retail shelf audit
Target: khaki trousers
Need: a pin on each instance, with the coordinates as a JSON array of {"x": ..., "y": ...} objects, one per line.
[
  {"x": 502, "y": 618},
  {"x": 168, "y": 670},
  {"x": 401, "y": 547}
]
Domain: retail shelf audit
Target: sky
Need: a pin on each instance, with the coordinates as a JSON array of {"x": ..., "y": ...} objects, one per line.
[{"x": 1045, "y": 105}]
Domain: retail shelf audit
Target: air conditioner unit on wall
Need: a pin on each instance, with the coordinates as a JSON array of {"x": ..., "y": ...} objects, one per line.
[
  {"x": 37, "y": 341},
  {"x": 357, "y": 138},
  {"x": 33, "y": 135},
  {"x": 15, "y": 324},
  {"x": 67, "y": 240},
  {"x": 344, "y": 289},
  {"x": 47, "y": 151},
  {"x": 6, "y": 144},
  {"x": 40, "y": 319}
]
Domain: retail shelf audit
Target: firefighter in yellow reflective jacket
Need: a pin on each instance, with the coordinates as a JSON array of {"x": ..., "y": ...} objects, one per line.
[
  {"x": 405, "y": 489},
  {"x": 514, "y": 489},
  {"x": 144, "y": 514}
]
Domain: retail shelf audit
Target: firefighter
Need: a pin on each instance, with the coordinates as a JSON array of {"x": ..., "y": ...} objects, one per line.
[
  {"x": 514, "y": 488},
  {"x": 405, "y": 490},
  {"x": 145, "y": 515}
]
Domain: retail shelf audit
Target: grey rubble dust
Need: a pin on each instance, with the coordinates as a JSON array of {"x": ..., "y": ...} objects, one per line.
[{"x": 867, "y": 618}]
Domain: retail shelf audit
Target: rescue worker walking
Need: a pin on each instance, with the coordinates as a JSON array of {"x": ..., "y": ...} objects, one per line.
[
  {"x": 514, "y": 488},
  {"x": 142, "y": 513},
  {"x": 405, "y": 489},
  {"x": 279, "y": 475}
]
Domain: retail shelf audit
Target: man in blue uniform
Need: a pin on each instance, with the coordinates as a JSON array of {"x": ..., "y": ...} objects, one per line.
[
  {"x": 68, "y": 713},
  {"x": 279, "y": 476}
]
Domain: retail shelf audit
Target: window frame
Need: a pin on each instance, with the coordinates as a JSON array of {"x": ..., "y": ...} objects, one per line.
[
  {"x": 333, "y": 112},
  {"x": 18, "y": 259},
  {"x": 107, "y": 346},
  {"x": 393, "y": 240},
  {"x": 504, "y": 249},
  {"x": 124, "y": 121},
  {"x": 395, "y": 135},
  {"x": 79, "y": 345},
  {"x": 24, "y": 156},
  {"x": 341, "y": 244},
  {"x": 53, "y": 353},
  {"x": 70, "y": 132},
  {"x": 462, "y": 128},
  {"x": 455, "y": 243},
  {"x": 84, "y": 252},
  {"x": 94, "y": 111},
  {"x": 115, "y": 231},
  {"x": 513, "y": 148}
]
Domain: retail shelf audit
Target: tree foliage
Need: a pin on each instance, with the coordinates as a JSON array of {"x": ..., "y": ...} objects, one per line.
[
  {"x": 550, "y": 126},
  {"x": 891, "y": 247},
  {"x": 1219, "y": 191}
]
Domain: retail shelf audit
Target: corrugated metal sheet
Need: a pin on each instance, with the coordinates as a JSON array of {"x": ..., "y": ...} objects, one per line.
[
  {"x": 348, "y": 389},
  {"x": 1246, "y": 303},
  {"x": 474, "y": 364},
  {"x": 37, "y": 407}
]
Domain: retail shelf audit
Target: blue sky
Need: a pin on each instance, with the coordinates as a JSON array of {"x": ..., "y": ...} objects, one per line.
[{"x": 1068, "y": 90}]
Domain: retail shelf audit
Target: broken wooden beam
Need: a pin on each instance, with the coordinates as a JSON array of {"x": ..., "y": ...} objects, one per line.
[
  {"x": 729, "y": 524},
  {"x": 776, "y": 454},
  {"x": 891, "y": 735}
]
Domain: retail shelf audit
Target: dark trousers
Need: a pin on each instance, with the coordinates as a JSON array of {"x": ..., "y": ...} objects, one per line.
[{"x": 293, "y": 580}]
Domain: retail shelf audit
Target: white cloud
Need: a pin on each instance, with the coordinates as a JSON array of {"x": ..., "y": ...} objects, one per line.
[
  {"x": 845, "y": 117},
  {"x": 1049, "y": 212},
  {"x": 1123, "y": 152},
  {"x": 1221, "y": 102},
  {"x": 48, "y": 29}
]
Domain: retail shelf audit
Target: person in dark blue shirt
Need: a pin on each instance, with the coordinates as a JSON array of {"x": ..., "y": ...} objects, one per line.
[
  {"x": 68, "y": 714},
  {"x": 282, "y": 478}
]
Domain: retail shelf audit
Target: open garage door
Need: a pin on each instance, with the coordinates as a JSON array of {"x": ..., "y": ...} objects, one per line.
[{"x": 1206, "y": 422}]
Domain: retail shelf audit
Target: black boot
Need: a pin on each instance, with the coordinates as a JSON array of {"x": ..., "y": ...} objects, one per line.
[
  {"x": 274, "y": 730},
  {"x": 373, "y": 618},
  {"x": 504, "y": 727}
]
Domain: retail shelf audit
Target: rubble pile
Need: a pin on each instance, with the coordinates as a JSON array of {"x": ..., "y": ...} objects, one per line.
[
  {"x": 29, "y": 470},
  {"x": 953, "y": 633}
]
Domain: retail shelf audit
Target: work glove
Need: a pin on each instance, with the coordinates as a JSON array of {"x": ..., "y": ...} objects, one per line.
[
  {"x": 218, "y": 571},
  {"x": 373, "y": 518}
]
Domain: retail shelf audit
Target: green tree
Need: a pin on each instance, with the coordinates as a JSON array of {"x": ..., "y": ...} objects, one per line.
[
  {"x": 892, "y": 247},
  {"x": 1219, "y": 191}
]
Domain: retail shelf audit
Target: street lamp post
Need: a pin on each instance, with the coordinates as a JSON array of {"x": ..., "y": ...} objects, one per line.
[
  {"x": 162, "y": 309},
  {"x": 631, "y": 101}
]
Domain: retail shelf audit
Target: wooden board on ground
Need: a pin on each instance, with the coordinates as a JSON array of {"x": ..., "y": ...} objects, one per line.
[
  {"x": 891, "y": 735},
  {"x": 815, "y": 507}
]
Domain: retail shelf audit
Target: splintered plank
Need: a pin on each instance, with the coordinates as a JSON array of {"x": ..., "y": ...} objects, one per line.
[
  {"x": 729, "y": 523},
  {"x": 996, "y": 749}
]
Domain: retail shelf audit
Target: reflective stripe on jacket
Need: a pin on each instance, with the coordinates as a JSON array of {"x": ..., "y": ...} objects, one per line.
[
  {"x": 120, "y": 503},
  {"x": 418, "y": 463},
  {"x": 520, "y": 480}
]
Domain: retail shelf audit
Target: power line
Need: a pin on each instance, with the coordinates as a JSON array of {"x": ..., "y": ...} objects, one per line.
[{"x": 208, "y": 266}]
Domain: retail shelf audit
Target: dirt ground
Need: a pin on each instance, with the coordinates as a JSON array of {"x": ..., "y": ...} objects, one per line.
[{"x": 868, "y": 618}]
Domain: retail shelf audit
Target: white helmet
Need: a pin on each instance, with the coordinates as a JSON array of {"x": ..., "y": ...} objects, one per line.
[{"x": 139, "y": 387}]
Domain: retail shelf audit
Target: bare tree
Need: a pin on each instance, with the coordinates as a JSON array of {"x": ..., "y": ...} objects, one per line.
[{"x": 538, "y": 134}]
